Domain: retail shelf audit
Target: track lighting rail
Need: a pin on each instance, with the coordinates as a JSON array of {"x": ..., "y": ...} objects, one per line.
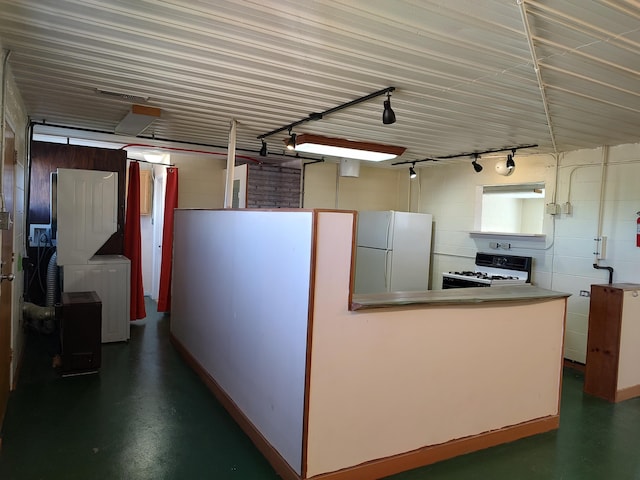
[
  {"x": 470, "y": 154},
  {"x": 318, "y": 116}
]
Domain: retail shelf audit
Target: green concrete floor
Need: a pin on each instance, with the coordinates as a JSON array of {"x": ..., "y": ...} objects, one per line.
[{"x": 146, "y": 415}]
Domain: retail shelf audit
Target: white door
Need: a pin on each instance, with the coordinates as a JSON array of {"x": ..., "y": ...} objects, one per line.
[
  {"x": 159, "y": 184},
  {"x": 87, "y": 206}
]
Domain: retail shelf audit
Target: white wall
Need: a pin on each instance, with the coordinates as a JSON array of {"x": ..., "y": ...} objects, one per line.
[
  {"x": 199, "y": 180},
  {"x": 564, "y": 259},
  {"x": 574, "y": 245},
  {"x": 373, "y": 189},
  {"x": 199, "y": 186}
]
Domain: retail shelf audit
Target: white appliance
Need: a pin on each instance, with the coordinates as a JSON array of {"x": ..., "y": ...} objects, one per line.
[
  {"x": 491, "y": 270},
  {"x": 86, "y": 217},
  {"x": 393, "y": 251}
]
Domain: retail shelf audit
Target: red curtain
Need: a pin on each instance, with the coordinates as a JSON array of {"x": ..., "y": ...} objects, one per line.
[
  {"x": 170, "y": 203},
  {"x": 133, "y": 243}
]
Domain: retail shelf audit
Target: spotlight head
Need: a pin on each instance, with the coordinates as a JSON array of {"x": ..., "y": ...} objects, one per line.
[
  {"x": 291, "y": 143},
  {"x": 388, "y": 117},
  {"x": 510, "y": 163},
  {"x": 412, "y": 172},
  {"x": 263, "y": 150},
  {"x": 476, "y": 166}
]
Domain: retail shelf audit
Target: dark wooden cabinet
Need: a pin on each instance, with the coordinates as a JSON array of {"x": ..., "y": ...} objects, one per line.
[
  {"x": 613, "y": 343},
  {"x": 80, "y": 330}
]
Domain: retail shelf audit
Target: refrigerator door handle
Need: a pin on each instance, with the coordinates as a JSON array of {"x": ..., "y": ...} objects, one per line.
[
  {"x": 389, "y": 231},
  {"x": 387, "y": 271}
]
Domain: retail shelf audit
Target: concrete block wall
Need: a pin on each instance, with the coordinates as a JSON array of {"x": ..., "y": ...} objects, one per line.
[
  {"x": 273, "y": 186},
  {"x": 563, "y": 259}
]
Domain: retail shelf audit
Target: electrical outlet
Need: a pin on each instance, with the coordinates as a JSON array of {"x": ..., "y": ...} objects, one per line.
[{"x": 585, "y": 293}]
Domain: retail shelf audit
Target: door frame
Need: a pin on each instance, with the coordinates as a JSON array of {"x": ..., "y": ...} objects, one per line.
[{"x": 7, "y": 267}]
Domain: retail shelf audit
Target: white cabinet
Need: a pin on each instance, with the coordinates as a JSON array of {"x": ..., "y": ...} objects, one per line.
[{"x": 109, "y": 277}]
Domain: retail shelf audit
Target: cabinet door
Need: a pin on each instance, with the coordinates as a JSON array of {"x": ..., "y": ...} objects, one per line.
[
  {"x": 145, "y": 192},
  {"x": 603, "y": 342}
]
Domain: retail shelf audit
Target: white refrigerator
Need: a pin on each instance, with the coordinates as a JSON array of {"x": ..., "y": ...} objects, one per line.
[{"x": 393, "y": 251}]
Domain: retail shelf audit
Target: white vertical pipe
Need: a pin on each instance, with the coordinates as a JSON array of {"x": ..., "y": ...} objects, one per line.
[
  {"x": 603, "y": 180},
  {"x": 231, "y": 162}
]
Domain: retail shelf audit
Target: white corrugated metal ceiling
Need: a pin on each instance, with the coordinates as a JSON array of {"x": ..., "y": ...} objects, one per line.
[{"x": 465, "y": 75}]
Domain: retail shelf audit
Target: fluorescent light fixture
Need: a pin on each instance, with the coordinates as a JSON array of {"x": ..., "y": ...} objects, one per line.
[
  {"x": 155, "y": 157},
  {"x": 339, "y": 147},
  {"x": 137, "y": 120}
]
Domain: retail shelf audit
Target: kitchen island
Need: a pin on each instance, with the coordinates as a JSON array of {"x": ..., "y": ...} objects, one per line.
[{"x": 334, "y": 386}]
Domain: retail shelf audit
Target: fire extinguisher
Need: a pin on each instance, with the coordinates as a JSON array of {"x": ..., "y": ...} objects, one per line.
[{"x": 638, "y": 230}]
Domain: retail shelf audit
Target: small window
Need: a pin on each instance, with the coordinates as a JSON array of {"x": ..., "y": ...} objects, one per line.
[{"x": 513, "y": 208}]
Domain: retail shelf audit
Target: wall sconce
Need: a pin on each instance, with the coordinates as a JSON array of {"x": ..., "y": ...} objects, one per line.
[{"x": 340, "y": 147}]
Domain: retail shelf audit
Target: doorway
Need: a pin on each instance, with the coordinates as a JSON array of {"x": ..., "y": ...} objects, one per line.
[{"x": 6, "y": 269}]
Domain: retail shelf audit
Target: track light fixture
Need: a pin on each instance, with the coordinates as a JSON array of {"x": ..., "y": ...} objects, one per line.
[
  {"x": 388, "y": 116},
  {"x": 263, "y": 150},
  {"x": 388, "y": 113},
  {"x": 510, "y": 163},
  {"x": 476, "y": 166},
  {"x": 291, "y": 143},
  {"x": 412, "y": 171}
]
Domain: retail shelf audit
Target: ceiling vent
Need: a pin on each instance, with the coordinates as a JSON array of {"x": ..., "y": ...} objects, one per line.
[{"x": 137, "y": 120}]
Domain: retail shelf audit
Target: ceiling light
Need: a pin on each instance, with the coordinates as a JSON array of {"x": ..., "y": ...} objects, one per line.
[
  {"x": 476, "y": 166},
  {"x": 263, "y": 150},
  {"x": 412, "y": 171},
  {"x": 510, "y": 163},
  {"x": 339, "y": 147},
  {"x": 291, "y": 143},
  {"x": 137, "y": 120},
  {"x": 388, "y": 117},
  {"x": 154, "y": 156}
]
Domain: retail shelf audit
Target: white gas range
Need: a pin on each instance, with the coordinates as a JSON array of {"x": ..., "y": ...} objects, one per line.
[{"x": 491, "y": 270}]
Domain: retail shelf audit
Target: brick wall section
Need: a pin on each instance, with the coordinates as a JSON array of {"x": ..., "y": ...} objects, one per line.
[{"x": 272, "y": 186}]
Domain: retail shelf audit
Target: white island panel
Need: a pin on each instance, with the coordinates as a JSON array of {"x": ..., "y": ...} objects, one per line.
[{"x": 241, "y": 285}]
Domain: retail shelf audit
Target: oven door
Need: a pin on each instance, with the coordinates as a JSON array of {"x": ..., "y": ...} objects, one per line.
[{"x": 451, "y": 282}]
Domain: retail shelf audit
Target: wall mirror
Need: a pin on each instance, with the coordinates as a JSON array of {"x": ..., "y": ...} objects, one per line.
[{"x": 516, "y": 208}]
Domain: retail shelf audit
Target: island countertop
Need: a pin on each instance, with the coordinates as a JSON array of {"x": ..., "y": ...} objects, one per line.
[{"x": 455, "y": 296}]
